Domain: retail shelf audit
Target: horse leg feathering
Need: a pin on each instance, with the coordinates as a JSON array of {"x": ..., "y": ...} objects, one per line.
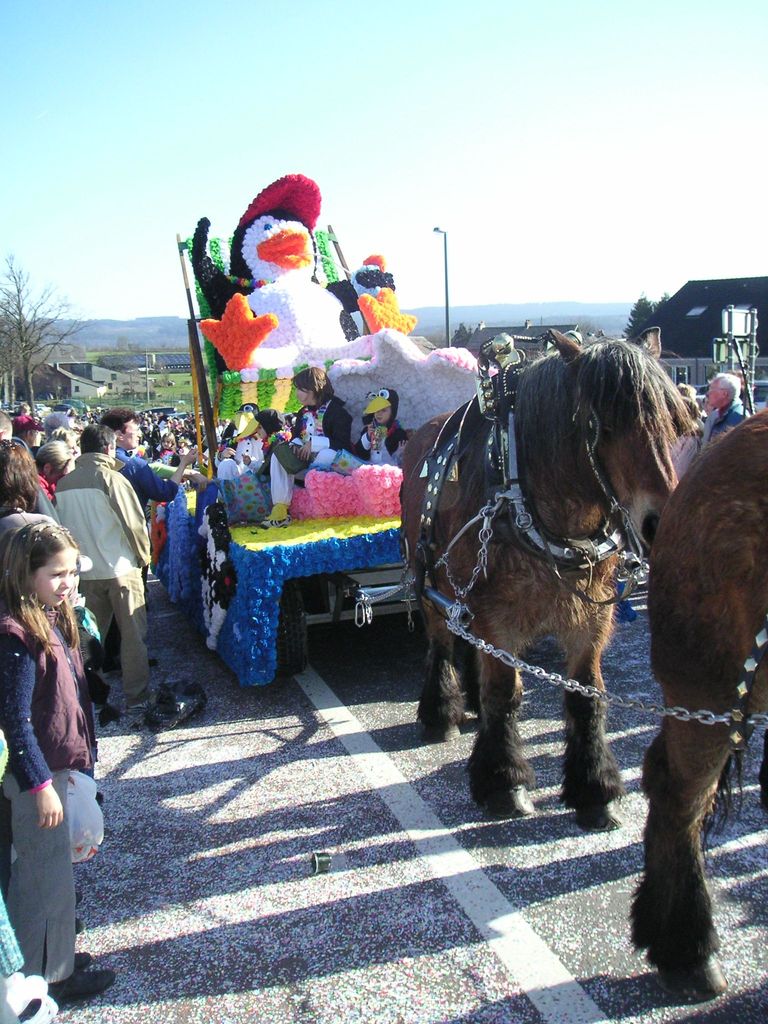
[
  {"x": 499, "y": 774},
  {"x": 591, "y": 777},
  {"x": 441, "y": 707}
]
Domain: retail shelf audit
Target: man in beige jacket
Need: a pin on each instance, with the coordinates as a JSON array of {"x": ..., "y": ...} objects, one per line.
[{"x": 102, "y": 511}]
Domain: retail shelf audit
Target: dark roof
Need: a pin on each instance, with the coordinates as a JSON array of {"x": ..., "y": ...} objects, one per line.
[
  {"x": 158, "y": 361},
  {"x": 692, "y": 317}
]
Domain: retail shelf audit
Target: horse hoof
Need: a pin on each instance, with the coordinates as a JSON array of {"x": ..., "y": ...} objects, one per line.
[
  {"x": 597, "y": 818},
  {"x": 512, "y": 803},
  {"x": 694, "y": 984},
  {"x": 440, "y": 733}
]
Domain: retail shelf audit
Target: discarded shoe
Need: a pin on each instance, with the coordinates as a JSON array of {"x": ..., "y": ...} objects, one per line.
[{"x": 136, "y": 714}]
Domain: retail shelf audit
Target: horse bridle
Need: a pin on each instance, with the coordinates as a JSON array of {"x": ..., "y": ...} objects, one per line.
[{"x": 560, "y": 554}]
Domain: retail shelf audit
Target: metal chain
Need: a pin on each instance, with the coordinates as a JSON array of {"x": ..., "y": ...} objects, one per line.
[
  {"x": 459, "y": 612},
  {"x": 364, "y": 601},
  {"x": 484, "y": 534}
]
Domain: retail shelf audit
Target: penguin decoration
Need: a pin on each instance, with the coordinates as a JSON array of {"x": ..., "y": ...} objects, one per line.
[
  {"x": 375, "y": 290},
  {"x": 270, "y": 298}
]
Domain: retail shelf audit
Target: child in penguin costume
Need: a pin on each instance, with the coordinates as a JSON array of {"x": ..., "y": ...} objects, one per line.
[
  {"x": 247, "y": 453},
  {"x": 383, "y": 439}
]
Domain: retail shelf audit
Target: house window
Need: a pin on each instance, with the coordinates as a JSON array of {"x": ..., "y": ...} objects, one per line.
[
  {"x": 696, "y": 311},
  {"x": 110, "y": 385},
  {"x": 75, "y": 387},
  {"x": 682, "y": 375},
  {"x": 112, "y": 376}
]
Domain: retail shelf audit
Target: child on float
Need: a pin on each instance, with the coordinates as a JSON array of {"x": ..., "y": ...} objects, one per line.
[
  {"x": 271, "y": 431},
  {"x": 46, "y": 714},
  {"x": 321, "y": 428},
  {"x": 383, "y": 439},
  {"x": 243, "y": 452}
]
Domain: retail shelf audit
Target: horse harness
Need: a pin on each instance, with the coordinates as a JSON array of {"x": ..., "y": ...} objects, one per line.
[{"x": 495, "y": 402}]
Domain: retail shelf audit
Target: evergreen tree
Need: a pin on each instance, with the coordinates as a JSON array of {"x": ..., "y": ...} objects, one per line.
[
  {"x": 641, "y": 312},
  {"x": 461, "y": 336}
]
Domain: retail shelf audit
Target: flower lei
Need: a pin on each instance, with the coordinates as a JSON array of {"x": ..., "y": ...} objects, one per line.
[
  {"x": 317, "y": 416},
  {"x": 247, "y": 282},
  {"x": 381, "y": 432},
  {"x": 279, "y": 435}
]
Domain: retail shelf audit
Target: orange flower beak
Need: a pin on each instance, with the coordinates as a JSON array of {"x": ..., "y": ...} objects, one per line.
[{"x": 288, "y": 249}]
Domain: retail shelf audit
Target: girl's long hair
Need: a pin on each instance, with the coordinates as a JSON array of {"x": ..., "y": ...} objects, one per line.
[
  {"x": 22, "y": 553},
  {"x": 18, "y": 477},
  {"x": 315, "y": 379}
]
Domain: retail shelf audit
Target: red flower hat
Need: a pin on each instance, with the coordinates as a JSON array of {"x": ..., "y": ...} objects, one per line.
[{"x": 294, "y": 193}]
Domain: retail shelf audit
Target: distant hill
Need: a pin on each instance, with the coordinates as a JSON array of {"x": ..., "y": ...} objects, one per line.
[
  {"x": 157, "y": 332},
  {"x": 146, "y": 332},
  {"x": 610, "y": 316}
]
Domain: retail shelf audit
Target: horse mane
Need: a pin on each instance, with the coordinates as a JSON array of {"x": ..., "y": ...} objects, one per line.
[{"x": 618, "y": 381}]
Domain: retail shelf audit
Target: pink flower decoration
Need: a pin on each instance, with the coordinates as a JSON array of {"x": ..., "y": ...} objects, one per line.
[{"x": 368, "y": 491}]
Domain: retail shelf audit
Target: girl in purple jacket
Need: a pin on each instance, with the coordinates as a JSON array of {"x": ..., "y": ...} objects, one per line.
[{"x": 46, "y": 714}]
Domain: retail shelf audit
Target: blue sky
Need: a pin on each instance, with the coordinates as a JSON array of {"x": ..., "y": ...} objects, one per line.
[{"x": 582, "y": 151}]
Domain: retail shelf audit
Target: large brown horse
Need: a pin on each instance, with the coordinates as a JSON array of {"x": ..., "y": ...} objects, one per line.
[
  {"x": 593, "y": 427},
  {"x": 708, "y": 601}
]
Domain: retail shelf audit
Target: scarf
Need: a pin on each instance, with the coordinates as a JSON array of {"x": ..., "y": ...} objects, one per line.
[{"x": 48, "y": 489}]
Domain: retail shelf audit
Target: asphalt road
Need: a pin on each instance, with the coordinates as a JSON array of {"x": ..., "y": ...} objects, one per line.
[{"x": 204, "y": 901}]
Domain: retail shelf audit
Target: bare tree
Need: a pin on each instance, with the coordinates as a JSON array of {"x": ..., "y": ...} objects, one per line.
[{"x": 32, "y": 325}]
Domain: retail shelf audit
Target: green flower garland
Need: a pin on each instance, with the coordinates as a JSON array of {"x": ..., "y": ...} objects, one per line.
[
  {"x": 323, "y": 241},
  {"x": 265, "y": 388}
]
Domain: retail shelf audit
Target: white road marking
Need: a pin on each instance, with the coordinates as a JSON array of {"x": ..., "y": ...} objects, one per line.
[{"x": 528, "y": 959}]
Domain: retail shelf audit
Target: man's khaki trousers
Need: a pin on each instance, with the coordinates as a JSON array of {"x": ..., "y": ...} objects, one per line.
[{"x": 124, "y": 599}]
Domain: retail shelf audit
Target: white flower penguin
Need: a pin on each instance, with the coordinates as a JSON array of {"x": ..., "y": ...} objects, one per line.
[{"x": 272, "y": 261}]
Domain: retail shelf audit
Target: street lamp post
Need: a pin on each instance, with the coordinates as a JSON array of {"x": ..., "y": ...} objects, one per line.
[{"x": 445, "y": 268}]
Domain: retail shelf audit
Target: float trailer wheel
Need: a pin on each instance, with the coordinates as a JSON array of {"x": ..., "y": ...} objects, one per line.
[{"x": 291, "y": 643}]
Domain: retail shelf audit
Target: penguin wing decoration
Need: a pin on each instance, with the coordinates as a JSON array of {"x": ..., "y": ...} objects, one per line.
[
  {"x": 217, "y": 288},
  {"x": 375, "y": 289},
  {"x": 347, "y": 296}
]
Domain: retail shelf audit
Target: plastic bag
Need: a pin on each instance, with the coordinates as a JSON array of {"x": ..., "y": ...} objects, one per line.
[
  {"x": 86, "y": 822},
  {"x": 175, "y": 704},
  {"x": 19, "y": 994}
]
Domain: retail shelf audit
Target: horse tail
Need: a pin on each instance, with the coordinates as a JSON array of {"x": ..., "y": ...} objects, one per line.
[
  {"x": 763, "y": 775},
  {"x": 728, "y": 796}
]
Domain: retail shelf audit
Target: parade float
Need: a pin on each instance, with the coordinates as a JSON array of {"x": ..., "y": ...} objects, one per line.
[{"x": 271, "y": 300}]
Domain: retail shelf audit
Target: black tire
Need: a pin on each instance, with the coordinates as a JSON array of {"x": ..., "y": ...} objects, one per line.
[{"x": 291, "y": 643}]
